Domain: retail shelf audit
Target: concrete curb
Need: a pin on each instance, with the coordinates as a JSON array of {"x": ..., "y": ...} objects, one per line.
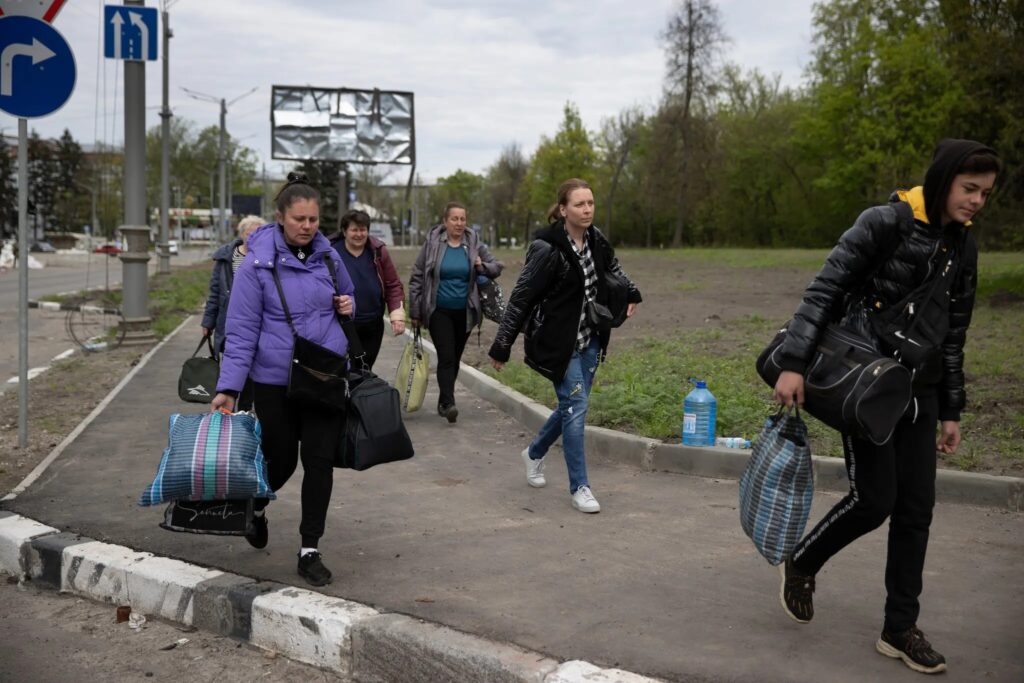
[
  {"x": 351, "y": 639},
  {"x": 612, "y": 446}
]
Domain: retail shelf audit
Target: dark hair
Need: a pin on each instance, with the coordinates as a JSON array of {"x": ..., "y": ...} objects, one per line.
[
  {"x": 564, "y": 190},
  {"x": 297, "y": 187},
  {"x": 356, "y": 216},
  {"x": 981, "y": 162},
  {"x": 452, "y": 205}
]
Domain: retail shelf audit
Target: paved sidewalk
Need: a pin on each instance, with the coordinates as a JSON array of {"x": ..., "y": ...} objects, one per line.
[{"x": 662, "y": 582}]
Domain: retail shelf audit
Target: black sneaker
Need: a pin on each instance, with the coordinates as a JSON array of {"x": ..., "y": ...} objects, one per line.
[
  {"x": 449, "y": 412},
  {"x": 258, "y": 536},
  {"x": 312, "y": 569},
  {"x": 797, "y": 592},
  {"x": 913, "y": 649}
]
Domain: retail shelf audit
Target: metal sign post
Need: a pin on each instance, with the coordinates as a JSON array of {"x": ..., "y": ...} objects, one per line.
[{"x": 37, "y": 76}]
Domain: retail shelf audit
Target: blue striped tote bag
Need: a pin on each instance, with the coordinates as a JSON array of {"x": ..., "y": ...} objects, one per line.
[
  {"x": 210, "y": 456},
  {"x": 777, "y": 487}
]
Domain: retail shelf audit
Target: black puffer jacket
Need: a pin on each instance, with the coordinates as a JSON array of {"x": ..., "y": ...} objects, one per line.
[
  {"x": 548, "y": 298},
  {"x": 882, "y": 258}
]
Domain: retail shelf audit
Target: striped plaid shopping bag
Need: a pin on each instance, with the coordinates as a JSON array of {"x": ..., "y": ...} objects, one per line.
[
  {"x": 210, "y": 456},
  {"x": 777, "y": 487}
]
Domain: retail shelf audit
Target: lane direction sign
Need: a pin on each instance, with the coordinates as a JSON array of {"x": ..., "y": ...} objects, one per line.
[
  {"x": 130, "y": 32},
  {"x": 37, "y": 67}
]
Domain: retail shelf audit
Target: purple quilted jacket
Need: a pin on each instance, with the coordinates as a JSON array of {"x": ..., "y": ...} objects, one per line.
[{"x": 258, "y": 341}]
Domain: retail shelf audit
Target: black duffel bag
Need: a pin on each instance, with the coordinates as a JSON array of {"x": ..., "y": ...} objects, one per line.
[
  {"x": 848, "y": 384},
  {"x": 374, "y": 432}
]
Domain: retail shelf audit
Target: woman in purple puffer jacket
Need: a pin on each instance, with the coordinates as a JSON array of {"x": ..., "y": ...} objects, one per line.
[{"x": 259, "y": 343}]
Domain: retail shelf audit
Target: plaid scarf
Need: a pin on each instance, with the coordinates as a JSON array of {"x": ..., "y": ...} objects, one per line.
[{"x": 589, "y": 288}]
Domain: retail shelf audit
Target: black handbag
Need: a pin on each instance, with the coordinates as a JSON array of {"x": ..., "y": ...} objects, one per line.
[
  {"x": 848, "y": 384},
  {"x": 606, "y": 317},
  {"x": 374, "y": 432},
  {"x": 317, "y": 376},
  {"x": 197, "y": 382}
]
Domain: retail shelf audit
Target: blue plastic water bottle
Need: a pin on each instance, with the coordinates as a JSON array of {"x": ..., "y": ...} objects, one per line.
[{"x": 699, "y": 410}]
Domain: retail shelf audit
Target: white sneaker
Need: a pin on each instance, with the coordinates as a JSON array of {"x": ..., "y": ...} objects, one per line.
[
  {"x": 534, "y": 470},
  {"x": 584, "y": 501}
]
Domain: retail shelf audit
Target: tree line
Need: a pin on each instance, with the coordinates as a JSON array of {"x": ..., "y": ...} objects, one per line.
[
  {"x": 726, "y": 157},
  {"x": 70, "y": 188},
  {"x": 729, "y": 157}
]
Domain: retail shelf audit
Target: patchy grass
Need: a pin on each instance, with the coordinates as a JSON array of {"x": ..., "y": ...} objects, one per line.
[{"x": 640, "y": 389}]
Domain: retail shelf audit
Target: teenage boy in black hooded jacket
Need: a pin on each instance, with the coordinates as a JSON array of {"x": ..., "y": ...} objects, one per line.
[{"x": 876, "y": 263}]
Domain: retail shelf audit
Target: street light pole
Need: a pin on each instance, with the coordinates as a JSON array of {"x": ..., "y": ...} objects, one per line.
[{"x": 223, "y": 229}]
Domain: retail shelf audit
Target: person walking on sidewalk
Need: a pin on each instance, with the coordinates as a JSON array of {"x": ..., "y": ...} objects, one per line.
[
  {"x": 564, "y": 273},
  {"x": 260, "y": 343},
  {"x": 376, "y": 281},
  {"x": 878, "y": 262},
  {"x": 443, "y": 294},
  {"x": 226, "y": 261}
]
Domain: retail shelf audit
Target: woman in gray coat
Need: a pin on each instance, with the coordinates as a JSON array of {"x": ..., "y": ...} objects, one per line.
[{"x": 444, "y": 296}]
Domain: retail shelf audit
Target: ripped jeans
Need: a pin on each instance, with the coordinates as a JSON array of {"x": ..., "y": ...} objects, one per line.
[{"x": 569, "y": 418}]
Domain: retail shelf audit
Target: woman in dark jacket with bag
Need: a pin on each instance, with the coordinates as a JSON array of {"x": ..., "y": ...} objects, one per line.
[
  {"x": 878, "y": 262},
  {"x": 562, "y": 279},
  {"x": 226, "y": 261},
  {"x": 377, "y": 284},
  {"x": 443, "y": 295},
  {"x": 260, "y": 344}
]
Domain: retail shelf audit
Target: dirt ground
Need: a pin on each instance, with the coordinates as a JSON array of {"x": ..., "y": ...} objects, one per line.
[
  {"x": 681, "y": 292},
  {"x": 47, "y": 636}
]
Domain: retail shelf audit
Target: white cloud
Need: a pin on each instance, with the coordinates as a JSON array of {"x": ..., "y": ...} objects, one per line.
[{"x": 485, "y": 73}]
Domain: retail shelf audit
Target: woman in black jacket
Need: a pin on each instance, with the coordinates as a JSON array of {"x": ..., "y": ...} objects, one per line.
[
  {"x": 564, "y": 272},
  {"x": 876, "y": 263}
]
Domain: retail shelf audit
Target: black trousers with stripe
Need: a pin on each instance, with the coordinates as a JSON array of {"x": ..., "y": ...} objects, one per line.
[{"x": 895, "y": 482}]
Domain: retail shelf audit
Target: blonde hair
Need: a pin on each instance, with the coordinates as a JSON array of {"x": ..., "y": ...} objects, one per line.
[{"x": 248, "y": 222}]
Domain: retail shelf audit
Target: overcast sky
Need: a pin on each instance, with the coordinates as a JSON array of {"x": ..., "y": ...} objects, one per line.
[{"x": 484, "y": 72}]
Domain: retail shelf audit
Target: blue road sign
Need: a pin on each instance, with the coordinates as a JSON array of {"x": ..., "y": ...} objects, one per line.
[
  {"x": 37, "y": 68},
  {"x": 129, "y": 32}
]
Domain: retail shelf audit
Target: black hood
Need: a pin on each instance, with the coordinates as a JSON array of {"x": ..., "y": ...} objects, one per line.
[{"x": 949, "y": 156}]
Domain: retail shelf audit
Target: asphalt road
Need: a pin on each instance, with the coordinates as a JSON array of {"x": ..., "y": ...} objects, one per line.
[{"x": 46, "y": 330}]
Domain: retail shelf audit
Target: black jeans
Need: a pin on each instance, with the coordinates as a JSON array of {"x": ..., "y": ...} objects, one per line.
[
  {"x": 370, "y": 336},
  {"x": 284, "y": 425},
  {"x": 894, "y": 481},
  {"x": 449, "y": 334}
]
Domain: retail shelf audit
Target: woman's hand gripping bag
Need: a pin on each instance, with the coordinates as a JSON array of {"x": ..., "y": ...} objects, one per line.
[{"x": 777, "y": 488}]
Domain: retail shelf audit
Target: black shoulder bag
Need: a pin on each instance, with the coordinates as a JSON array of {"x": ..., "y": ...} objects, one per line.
[
  {"x": 852, "y": 386},
  {"x": 373, "y": 432},
  {"x": 317, "y": 376}
]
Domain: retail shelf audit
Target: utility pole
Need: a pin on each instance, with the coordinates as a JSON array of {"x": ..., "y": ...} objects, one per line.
[
  {"x": 135, "y": 257},
  {"x": 165, "y": 155},
  {"x": 223, "y": 230}
]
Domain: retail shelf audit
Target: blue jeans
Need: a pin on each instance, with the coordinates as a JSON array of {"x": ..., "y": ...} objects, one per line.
[{"x": 569, "y": 418}]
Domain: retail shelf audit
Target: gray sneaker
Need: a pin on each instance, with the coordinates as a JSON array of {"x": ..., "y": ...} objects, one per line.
[{"x": 534, "y": 470}]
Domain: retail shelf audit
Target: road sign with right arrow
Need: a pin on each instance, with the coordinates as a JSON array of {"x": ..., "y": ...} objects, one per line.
[
  {"x": 130, "y": 32},
  {"x": 37, "y": 68}
]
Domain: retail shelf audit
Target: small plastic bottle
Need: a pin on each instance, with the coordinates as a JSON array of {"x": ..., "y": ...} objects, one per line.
[
  {"x": 699, "y": 411},
  {"x": 732, "y": 442}
]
